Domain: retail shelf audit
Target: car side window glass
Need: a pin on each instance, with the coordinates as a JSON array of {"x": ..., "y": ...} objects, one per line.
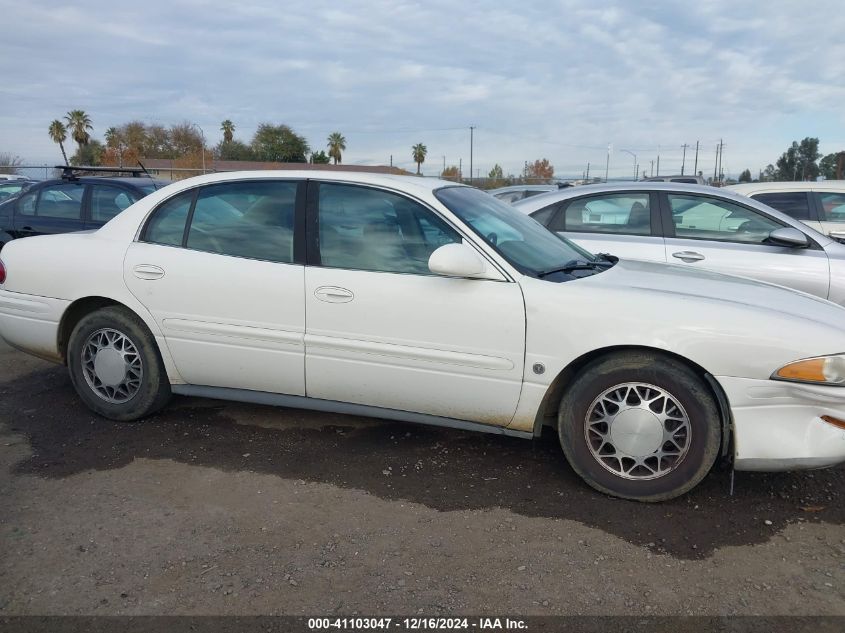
[
  {"x": 245, "y": 219},
  {"x": 705, "y": 218},
  {"x": 167, "y": 225},
  {"x": 61, "y": 202},
  {"x": 792, "y": 203},
  {"x": 623, "y": 213},
  {"x": 544, "y": 216},
  {"x": 370, "y": 229},
  {"x": 833, "y": 207},
  {"x": 107, "y": 201},
  {"x": 26, "y": 204}
]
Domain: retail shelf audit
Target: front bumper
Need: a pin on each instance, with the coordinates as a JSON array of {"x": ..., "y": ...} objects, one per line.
[
  {"x": 778, "y": 425},
  {"x": 31, "y": 323}
]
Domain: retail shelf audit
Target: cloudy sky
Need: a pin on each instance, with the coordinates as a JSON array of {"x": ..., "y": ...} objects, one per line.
[{"x": 559, "y": 80}]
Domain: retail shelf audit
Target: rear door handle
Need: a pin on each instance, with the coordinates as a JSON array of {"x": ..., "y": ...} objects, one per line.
[
  {"x": 148, "y": 272},
  {"x": 333, "y": 294},
  {"x": 688, "y": 256}
]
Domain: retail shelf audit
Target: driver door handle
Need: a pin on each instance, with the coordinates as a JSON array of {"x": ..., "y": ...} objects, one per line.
[{"x": 688, "y": 256}]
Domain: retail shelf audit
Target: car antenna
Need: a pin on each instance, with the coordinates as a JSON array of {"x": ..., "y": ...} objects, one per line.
[{"x": 148, "y": 175}]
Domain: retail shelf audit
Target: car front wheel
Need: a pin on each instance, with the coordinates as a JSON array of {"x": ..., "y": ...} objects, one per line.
[
  {"x": 115, "y": 366},
  {"x": 639, "y": 426}
]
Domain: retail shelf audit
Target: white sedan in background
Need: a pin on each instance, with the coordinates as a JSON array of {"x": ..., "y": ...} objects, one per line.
[
  {"x": 820, "y": 205},
  {"x": 424, "y": 301}
]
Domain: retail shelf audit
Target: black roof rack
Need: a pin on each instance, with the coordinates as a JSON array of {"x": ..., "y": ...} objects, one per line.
[{"x": 69, "y": 172}]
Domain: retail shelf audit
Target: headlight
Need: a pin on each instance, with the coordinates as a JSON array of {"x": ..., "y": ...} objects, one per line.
[{"x": 826, "y": 370}]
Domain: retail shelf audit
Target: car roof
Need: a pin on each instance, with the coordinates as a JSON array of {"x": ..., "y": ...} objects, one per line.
[
  {"x": 529, "y": 205},
  {"x": 419, "y": 183},
  {"x": 121, "y": 180},
  {"x": 748, "y": 188}
]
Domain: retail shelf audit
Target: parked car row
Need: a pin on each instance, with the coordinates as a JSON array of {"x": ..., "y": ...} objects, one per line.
[
  {"x": 70, "y": 203},
  {"x": 428, "y": 301}
]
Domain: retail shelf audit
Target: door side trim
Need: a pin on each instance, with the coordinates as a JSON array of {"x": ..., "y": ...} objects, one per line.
[
  {"x": 347, "y": 408},
  {"x": 407, "y": 352}
]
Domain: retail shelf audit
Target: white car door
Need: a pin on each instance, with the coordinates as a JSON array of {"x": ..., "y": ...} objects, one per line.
[
  {"x": 382, "y": 330},
  {"x": 726, "y": 237},
  {"x": 620, "y": 223},
  {"x": 226, "y": 290}
]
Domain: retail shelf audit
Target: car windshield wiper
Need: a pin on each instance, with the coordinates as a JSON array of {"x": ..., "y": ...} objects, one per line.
[{"x": 576, "y": 264}]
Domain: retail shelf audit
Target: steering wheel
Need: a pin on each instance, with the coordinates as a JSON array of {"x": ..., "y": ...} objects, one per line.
[{"x": 493, "y": 238}]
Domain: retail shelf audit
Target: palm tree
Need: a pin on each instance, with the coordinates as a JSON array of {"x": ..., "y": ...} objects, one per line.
[
  {"x": 228, "y": 129},
  {"x": 58, "y": 134},
  {"x": 79, "y": 125},
  {"x": 337, "y": 144},
  {"x": 419, "y": 151},
  {"x": 112, "y": 137}
]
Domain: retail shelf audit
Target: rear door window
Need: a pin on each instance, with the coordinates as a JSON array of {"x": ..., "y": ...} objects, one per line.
[
  {"x": 245, "y": 219},
  {"x": 61, "y": 202},
  {"x": 107, "y": 201},
  {"x": 795, "y": 204}
]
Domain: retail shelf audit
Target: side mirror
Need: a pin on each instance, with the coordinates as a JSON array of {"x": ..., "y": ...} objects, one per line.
[
  {"x": 789, "y": 236},
  {"x": 460, "y": 260}
]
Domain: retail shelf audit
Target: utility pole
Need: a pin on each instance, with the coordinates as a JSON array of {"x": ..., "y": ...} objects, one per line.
[
  {"x": 721, "y": 154},
  {"x": 471, "y": 129},
  {"x": 607, "y": 164},
  {"x": 588, "y": 173},
  {"x": 716, "y": 164},
  {"x": 460, "y": 170},
  {"x": 652, "y": 168},
  {"x": 391, "y": 160},
  {"x": 695, "y": 169},
  {"x": 444, "y": 166},
  {"x": 684, "y": 159},
  {"x": 658, "y": 164}
]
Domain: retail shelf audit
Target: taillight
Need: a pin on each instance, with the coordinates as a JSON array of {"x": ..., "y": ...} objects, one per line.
[{"x": 2, "y": 272}]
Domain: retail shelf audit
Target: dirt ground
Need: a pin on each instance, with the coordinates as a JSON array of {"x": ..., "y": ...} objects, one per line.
[{"x": 219, "y": 508}]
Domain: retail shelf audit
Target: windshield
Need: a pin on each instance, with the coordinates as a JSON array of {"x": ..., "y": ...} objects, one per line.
[{"x": 524, "y": 242}]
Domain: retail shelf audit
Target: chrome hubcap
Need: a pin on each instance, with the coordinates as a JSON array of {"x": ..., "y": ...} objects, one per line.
[
  {"x": 637, "y": 431},
  {"x": 112, "y": 366}
]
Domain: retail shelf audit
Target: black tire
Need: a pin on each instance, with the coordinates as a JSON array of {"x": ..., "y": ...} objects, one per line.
[
  {"x": 701, "y": 434},
  {"x": 153, "y": 390}
]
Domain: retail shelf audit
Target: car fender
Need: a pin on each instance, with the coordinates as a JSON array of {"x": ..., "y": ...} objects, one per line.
[{"x": 91, "y": 267}]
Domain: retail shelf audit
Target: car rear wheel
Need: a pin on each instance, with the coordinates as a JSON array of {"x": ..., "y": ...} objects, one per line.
[
  {"x": 639, "y": 426},
  {"x": 115, "y": 366}
]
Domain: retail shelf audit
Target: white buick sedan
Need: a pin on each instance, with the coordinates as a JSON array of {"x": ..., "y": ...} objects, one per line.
[{"x": 424, "y": 301}]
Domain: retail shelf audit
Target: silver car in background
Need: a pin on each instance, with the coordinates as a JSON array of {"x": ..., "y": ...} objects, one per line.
[
  {"x": 696, "y": 226},
  {"x": 513, "y": 193}
]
